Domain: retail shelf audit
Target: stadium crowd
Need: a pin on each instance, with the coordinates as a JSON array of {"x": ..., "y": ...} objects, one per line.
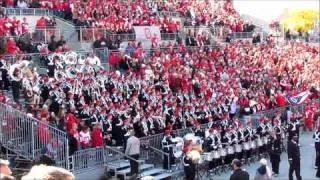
[
  {"x": 174, "y": 86},
  {"x": 193, "y": 85}
]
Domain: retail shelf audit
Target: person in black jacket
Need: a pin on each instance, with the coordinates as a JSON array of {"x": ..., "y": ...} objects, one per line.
[
  {"x": 316, "y": 137},
  {"x": 275, "y": 153},
  {"x": 238, "y": 173},
  {"x": 73, "y": 144},
  {"x": 294, "y": 158}
]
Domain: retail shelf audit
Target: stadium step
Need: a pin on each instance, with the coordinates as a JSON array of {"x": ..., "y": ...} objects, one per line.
[
  {"x": 165, "y": 175},
  {"x": 143, "y": 167},
  {"x": 121, "y": 168},
  {"x": 120, "y": 164},
  {"x": 152, "y": 172}
]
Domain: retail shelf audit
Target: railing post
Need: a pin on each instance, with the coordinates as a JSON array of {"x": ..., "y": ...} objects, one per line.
[
  {"x": 32, "y": 139},
  {"x": 67, "y": 153},
  {"x": 45, "y": 35},
  {"x": 80, "y": 31},
  {"x": 93, "y": 37}
]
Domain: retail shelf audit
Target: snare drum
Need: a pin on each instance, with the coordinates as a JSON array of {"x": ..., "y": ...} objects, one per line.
[
  {"x": 223, "y": 152},
  {"x": 215, "y": 154},
  {"x": 238, "y": 148},
  {"x": 246, "y": 146},
  {"x": 230, "y": 150},
  {"x": 253, "y": 144},
  {"x": 259, "y": 142}
]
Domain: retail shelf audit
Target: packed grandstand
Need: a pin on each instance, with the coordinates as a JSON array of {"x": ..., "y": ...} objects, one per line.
[{"x": 179, "y": 74}]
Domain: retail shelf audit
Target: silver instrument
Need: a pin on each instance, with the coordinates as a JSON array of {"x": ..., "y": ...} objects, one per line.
[{"x": 177, "y": 148}]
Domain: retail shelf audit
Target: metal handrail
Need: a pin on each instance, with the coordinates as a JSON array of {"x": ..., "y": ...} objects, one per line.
[
  {"x": 121, "y": 153},
  {"x": 87, "y": 159},
  {"x": 122, "y": 156},
  {"x": 29, "y": 136},
  {"x": 28, "y": 11},
  {"x": 162, "y": 153}
]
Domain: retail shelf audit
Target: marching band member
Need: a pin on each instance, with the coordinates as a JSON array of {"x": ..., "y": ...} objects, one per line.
[
  {"x": 215, "y": 144},
  {"x": 198, "y": 131},
  {"x": 232, "y": 138},
  {"x": 316, "y": 137},
  {"x": 293, "y": 127},
  {"x": 106, "y": 126},
  {"x": 4, "y": 78},
  {"x": 275, "y": 152},
  {"x": 240, "y": 141},
  {"x": 261, "y": 134},
  {"x": 167, "y": 146},
  {"x": 249, "y": 137}
]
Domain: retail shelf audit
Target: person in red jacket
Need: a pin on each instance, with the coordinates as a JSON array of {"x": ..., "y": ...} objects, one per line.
[
  {"x": 70, "y": 120},
  {"x": 308, "y": 116},
  {"x": 11, "y": 47},
  {"x": 281, "y": 100},
  {"x": 96, "y": 136}
]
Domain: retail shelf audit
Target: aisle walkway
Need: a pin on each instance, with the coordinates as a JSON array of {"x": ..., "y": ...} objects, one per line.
[{"x": 307, "y": 162}]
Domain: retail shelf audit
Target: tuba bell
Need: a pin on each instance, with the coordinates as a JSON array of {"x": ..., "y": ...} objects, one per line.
[
  {"x": 71, "y": 58},
  {"x": 82, "y": 59},
  {"x": 59, "y": 75},
  {"x": 71, "y": 72}
]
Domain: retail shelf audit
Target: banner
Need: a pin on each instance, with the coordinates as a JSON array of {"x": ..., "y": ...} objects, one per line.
[
  {"x": 299, "y": 98},
  {"x": 146, "y": 33}
]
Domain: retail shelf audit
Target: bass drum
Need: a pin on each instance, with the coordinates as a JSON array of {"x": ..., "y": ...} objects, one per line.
[
  {"x": 215, "y": 154},
  {"x": 223, "y": 152},
  {"x": 259, "y": 142},
  {"x": 238, "y": 148},
  {"x": 230, "y": 150},
  {"x": 246, "y": 146},
  {"x": 207, "y": 156}
]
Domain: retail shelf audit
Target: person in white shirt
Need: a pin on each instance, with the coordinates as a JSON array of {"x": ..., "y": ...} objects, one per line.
[
  {"x": 133, "y": 150},
  {"x": 22, "y": 4}
]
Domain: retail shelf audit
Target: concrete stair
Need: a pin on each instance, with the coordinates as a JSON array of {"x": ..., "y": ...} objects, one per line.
[{"x": 121, "y": 170}]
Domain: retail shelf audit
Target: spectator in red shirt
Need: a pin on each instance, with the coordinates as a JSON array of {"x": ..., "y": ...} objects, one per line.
[
  {"x": 96, "y": 136},
  {"x": 10, "y": 3},
  {"x": 281, "y": 100},
  {"x": 11, "y": 47},
  {"x": 70, "y": 120},
  {"x": 41, "y": 23}
]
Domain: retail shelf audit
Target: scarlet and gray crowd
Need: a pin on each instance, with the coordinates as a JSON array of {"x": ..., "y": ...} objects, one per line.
[
  {"x": 120, "y": 16},
  {"x": 173, "y": 87}
]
